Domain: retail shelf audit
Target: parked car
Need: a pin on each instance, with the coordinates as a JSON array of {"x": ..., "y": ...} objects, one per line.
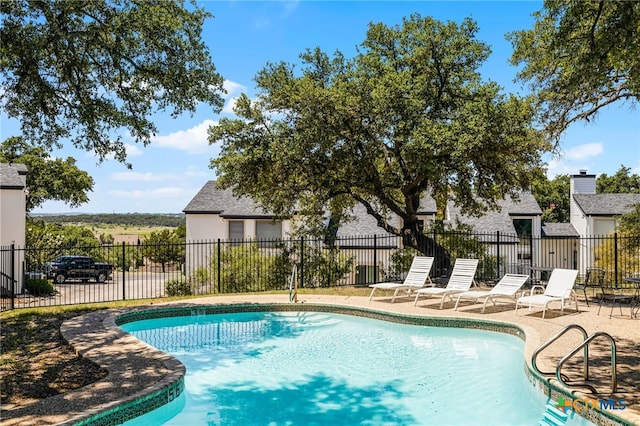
[{"x": 77, "y": 267}]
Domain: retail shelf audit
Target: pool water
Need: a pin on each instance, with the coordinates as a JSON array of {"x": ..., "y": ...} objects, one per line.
[{"x": 311, "y": 368}]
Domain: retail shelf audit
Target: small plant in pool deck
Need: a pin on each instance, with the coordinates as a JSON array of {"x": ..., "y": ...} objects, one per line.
[
  {"x": 178, "y": 287},
  {"x": 39, "y": 287}
]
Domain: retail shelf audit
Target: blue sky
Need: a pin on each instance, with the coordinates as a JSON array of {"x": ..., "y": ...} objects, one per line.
[{"x": 244, "y": 35}]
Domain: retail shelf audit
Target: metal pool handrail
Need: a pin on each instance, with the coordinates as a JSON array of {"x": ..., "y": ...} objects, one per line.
[
  {"x": 553, "y": 339},
  {"x": 585, "y": 344}
]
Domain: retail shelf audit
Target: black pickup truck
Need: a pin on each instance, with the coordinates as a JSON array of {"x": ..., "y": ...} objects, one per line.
[{"x": 77, "y": 267}]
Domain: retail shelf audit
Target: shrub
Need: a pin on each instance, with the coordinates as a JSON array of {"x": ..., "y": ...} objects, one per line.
[
  {"x": 178, "y": 287},
  {"x": 39, "y": 287}
]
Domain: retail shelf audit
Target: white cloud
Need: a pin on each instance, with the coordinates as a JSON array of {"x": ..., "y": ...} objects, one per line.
[
  {"x": 139, "y": 177},
  {"x": 166, "y": 192},
  {"x": 233, "y": 88},
  {"x": 132, "y": 150},
  {"x": 193, "y": 140},
  {"x": 228, "y": 107},
  {"x": 574, "y": 159},
  {"x": 582, "y": 152}
]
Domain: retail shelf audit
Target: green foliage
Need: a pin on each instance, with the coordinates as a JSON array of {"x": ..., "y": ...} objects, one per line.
[
  {"x": 579, "y": 57},
  {"x": 400, "y": 263},
  {"x": 132, "y": 258},
  {"x": 408, "y": 116},
  {"x": 553, "y": 198},
  {"x": 129, "y": 219},
  {"x": 39, "y": 287},
  {"x": 106, "y": 238},
  {"x": 323, "y": 267},
  {"x": 44, "y": 242},
  {"x": 460, "y": 242},
  {"x": 48, "y": 179},
  {"x": 93, "y": 70},
  {"x": 620, "y": 183},
  {"x": 177, "y": 287},
  {"x": 630, "y": 224},
  {"x": 246, "y": 267},
  {"x": 625, "y": 261},
  {"x": 163, "y": 247}
]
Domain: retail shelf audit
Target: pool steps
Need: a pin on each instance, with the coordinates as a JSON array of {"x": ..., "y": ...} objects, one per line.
[{"x": 553, "y": 417}]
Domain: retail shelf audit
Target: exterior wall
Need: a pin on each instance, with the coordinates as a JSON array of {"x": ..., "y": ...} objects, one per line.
[
  {"x": 12, "y": 229},
  {"x": 211, "y": 227},
  {"x": 12, "y": 217},
  {"x": 555, "y": 255},
  {"x": 580, "y": 184},
  {"x": 206, "y": 227},
  {"x": 202, "y": 227}
]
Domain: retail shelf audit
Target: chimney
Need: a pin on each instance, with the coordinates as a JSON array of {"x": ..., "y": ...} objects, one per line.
[{"x": 582, "y": 183}]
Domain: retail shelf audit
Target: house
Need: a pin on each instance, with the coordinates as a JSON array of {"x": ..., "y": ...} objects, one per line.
[
  {"x": 13, "y": 202},
  {"x": 216, "y": 214},
  {"x": 594, "y": 215}
]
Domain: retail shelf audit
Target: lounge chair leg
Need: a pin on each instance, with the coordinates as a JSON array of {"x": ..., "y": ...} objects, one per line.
[
  {"x": 394, "y": 295},
  {"x": 416, "y": 301},
  {"x": 371, "y": 295}
]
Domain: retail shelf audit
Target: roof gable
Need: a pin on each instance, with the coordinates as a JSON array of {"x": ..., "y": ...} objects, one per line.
[
  {"x": 606, "y": 204},
  {"x": 13, "y": 176},
  {"x": 213, "y": 200}
]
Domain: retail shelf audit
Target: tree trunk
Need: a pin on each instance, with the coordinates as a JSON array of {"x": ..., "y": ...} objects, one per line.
[{"x": 429, "y": 247}]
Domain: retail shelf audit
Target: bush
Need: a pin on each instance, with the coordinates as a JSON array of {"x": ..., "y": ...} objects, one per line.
[
  {"x": 177, "y": 287},
  {"x": 39, "y": 287}
]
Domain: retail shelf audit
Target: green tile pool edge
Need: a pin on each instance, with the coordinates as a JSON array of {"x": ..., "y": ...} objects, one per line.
[{"x": 129, "y": 409}]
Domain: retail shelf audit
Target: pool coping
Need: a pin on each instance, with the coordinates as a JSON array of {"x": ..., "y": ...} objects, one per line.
[{"x": 125, "y": 394}]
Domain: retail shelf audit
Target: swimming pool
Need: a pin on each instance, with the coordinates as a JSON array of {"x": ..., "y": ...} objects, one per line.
[{"x": 317, "y": 368}]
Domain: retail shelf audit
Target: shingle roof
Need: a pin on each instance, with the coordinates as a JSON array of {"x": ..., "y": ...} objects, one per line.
[
  {"x": 606, "y": 204},
  {"x": 551, "y": 230},
  {"x": 500, "y": 220},
  {"x": 213, "y": 200},
  {"x": 12, "y": 176}
]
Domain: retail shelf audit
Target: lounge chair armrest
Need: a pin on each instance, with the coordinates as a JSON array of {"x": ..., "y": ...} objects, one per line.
[{"x": 533, "y": 288}]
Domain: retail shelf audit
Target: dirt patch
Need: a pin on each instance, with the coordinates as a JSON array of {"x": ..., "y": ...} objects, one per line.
[{"x": 37, "y": 363}]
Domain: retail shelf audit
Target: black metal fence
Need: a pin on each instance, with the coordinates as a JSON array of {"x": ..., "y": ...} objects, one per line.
[{"x": 142, "y": 271}]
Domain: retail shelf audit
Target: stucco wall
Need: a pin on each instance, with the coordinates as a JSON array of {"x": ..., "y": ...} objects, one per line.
[{"x": 12, "y": 217}]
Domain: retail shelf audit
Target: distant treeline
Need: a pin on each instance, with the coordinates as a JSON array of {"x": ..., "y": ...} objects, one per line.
[{"x": 131, "y": 219}]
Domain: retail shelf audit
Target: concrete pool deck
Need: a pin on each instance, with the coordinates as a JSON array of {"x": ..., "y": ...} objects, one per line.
[{"x": 136, "y": 370}]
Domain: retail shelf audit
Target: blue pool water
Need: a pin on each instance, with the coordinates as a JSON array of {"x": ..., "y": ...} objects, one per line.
[{"x": 311, "y": 368}]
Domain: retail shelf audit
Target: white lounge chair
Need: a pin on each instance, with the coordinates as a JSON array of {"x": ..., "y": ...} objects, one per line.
[
  {"x": 417, "y": 277},
  {"x": 558, "y": 289},
  {"x": 460, "y": 281},
  {"x": 506, "y": 288}
]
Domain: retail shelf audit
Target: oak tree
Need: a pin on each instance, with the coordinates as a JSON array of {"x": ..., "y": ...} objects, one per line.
[
  {"x": 579, "y": 57},
  {"x": 408, "y": 116},
  {"x": 48, "y": 179},
  {"x": 90, "y": 70}
]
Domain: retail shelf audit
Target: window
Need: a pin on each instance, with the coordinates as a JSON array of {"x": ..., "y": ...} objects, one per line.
[
  {"x": 236, "y": 230},
  {"x": 267, "y": 232},
  {"x": 523, "y": 227}
]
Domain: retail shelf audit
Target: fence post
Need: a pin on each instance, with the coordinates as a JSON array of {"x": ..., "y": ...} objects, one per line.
[
  {"x": 615, "y": 257},
  {"x": 13, "y": 275},
  {"x": 218, "y": 268},
  {"x": 531, "y": 263},
  {"x": 375, "y": 258},
  {"x": 498, "y": 255},
  {"x": 301, "y": 275},
  {"x": 124, "y": 286}
]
